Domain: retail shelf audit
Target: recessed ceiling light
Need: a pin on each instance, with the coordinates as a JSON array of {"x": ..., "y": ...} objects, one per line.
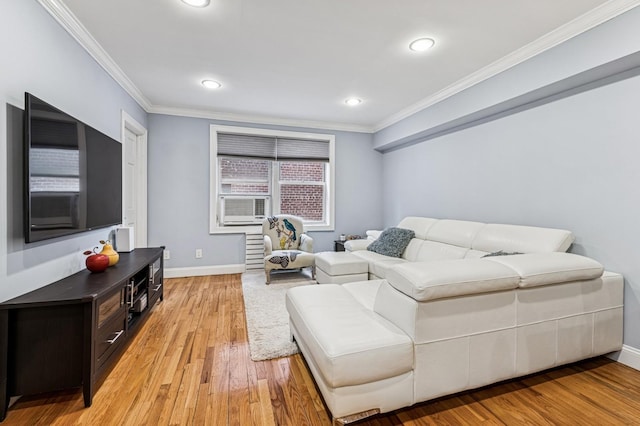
[
  {"x": 422, "y": 44},
  {"x": 210, "y": 84},
  {"x": 197, "y": 3},
  {"x": 353, "y": 101}
]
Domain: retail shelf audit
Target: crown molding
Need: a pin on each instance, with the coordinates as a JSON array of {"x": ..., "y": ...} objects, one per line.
[
  {"x": 595, "y": 17},
  {"x": 70, "y": 23},
  {"x": 583, "y": 23},
  {"x": 258, "y": 119}
]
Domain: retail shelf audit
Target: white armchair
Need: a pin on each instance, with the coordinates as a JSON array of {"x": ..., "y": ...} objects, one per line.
[{"x": 286, "y": 246}]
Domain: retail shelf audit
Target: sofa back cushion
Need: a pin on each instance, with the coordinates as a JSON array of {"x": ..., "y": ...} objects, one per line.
[
  {"x": 419, "y": 225},
  {"x": 459, "y": 233},
  {"x": 524, "y": 239}
]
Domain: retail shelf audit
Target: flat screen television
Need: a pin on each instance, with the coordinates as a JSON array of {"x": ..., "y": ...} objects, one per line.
[{"x": 73, "y": 174}]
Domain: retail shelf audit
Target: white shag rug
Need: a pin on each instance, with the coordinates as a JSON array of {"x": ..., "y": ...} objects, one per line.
[{"x": 266, "y": 313}]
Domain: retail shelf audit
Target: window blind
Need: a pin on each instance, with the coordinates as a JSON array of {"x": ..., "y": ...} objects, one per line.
[{"x": 272, "y": 148}]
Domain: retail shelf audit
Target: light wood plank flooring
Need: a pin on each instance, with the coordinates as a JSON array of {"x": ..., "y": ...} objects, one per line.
[{"x": 190, "y": 364}]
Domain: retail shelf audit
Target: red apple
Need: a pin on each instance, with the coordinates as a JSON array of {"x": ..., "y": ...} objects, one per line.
[{"x": 96, "y": 262}]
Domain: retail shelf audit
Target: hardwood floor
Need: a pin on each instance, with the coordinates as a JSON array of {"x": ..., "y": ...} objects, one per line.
[{"x": 190, "y": 365}]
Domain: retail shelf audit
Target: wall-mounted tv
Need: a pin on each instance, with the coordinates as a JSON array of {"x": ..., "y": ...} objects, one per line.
[{"x": 73, "y": 174}]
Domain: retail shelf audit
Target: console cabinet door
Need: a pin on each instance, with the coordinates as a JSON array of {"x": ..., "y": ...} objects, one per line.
[
  {"x": 111, "y": 325},
  {"x": 156, "y": 283}
]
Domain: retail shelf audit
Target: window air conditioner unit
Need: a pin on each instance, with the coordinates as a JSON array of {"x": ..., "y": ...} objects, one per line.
[{"x": 243, "y": 210}]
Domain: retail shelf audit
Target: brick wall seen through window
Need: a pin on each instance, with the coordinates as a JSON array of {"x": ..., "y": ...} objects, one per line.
[
  {"x": 244, "y": 176},
  {"x": 302, "y": 198},
  {"x": 301, "y": 184}
]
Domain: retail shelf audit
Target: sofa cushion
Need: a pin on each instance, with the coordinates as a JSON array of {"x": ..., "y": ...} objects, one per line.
[
  {"x": 501, "y": 253},
  {"x": 378, "y": 263},
  {"x": 536, "y": 269},
  {"x": 349, "y": 343},
  {"x": 432, "y": 250},
  {"x": 380, "y": 268},
  {"x": 475, "y": 254},
  {"x": 392, "y": 242},
  {"x": 448, "y": 278}
]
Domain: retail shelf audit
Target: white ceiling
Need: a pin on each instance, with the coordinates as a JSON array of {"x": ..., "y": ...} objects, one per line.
[{"x": 295, "y": 61}]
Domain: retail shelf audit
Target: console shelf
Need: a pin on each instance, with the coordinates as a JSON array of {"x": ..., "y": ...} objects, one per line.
[{"x": 69, "y": 333}]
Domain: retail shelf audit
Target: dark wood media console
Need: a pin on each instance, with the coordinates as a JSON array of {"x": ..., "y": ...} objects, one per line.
[{"x": 69, "y": 333}]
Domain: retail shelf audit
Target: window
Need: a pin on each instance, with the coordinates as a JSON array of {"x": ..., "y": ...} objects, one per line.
[
  {"x": 302, "y": 189},
  {"x": 258, "y": 172},
  {"x": 244, "y": 176}
]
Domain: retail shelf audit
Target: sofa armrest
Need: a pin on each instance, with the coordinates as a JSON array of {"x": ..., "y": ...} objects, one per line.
[
  {"x": 373, "y": 234},
  {"x": 355, "y": 245},
  {"x": 268, "y": 248},
  {"x": 306, "y": 243}
]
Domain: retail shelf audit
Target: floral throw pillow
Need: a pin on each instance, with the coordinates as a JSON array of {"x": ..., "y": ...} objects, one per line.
[{"x": 392, "y": 242}]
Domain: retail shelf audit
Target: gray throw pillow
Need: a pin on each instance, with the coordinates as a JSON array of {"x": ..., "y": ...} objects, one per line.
[
  {"x": 392, "y": 242},
  {"x": 501, "y": 253}
]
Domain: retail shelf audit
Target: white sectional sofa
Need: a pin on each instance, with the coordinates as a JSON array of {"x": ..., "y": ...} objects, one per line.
[{"x": 444, "y": 319}]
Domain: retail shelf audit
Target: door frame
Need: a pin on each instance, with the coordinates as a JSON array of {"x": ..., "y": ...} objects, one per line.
[{"x": 131, "y": 124}]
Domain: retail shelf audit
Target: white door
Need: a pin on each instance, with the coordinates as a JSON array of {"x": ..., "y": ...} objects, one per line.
[
  {"x": 134, "y": 192},
  {"x": 130, "y": 179}
]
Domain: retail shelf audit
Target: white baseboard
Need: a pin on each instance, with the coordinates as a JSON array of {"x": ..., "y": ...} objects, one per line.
[
  {"x": 628, "y": 356},
  {"x": 198, "y": 271}
]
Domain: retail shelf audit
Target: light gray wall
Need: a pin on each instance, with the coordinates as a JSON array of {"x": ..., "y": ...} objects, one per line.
[
  {"x": 38, "y": 56},
  {"x": 569, "y": 163},
  {"x": 178, "y": 193}
]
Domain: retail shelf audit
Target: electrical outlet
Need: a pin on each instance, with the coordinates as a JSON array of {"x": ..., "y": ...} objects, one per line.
[
  {"x": 198, "y": 253},
  {"x": 167, "y": 255}
]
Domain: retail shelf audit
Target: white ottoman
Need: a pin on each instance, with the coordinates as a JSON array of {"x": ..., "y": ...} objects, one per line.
[{"x": 340, "y": 267}]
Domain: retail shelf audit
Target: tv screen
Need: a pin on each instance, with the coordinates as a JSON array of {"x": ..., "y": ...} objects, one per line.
[{"x": 73, "y": 174}]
